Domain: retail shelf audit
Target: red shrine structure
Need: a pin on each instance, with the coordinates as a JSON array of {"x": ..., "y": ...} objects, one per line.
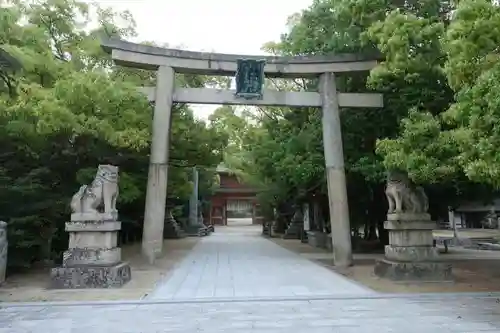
[{"x": 233, "y": 199}]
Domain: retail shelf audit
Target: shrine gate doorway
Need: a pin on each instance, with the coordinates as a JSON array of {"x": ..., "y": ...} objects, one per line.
[
  {"x": 167, "y": 62},
  {"x": 233, "y": 200}
]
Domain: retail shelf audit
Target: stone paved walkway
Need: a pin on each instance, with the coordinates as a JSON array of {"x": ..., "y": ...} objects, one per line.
[
  {"x": 249, "y": 299},
  {"x": 445, "y": 314},
  {"x": 238, "y": 262}
]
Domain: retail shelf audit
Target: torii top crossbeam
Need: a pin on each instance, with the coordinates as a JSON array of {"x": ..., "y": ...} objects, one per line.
[{"x": 204, "y": 63}]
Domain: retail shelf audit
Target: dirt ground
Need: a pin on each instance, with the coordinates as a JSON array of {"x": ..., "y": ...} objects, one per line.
[
  {"x": 480, "y": 272},
  {"x": 32, "y": 286},
  {"x": 469, "y": 233}
]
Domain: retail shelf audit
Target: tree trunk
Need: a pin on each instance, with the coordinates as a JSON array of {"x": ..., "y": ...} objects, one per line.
[
  {"x": 378, "y": 212},
  {"x": 372, "y": 230},
  {"x": 383, "y": 234},
  {"x": 366, "y": 231}
]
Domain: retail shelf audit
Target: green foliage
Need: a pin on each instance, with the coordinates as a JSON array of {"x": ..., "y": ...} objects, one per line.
[
  {"x": 458, "y": 141},
  {"x": 439, "y": 121},
  {"x": 70, "y": 109},
  {"x": 471, "y": 42},
  {"x": 292, "y": 153},
  {"x": 421, "y": 149}
]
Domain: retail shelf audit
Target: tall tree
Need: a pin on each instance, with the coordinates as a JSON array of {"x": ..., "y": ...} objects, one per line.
[
  {"x": 70, "y": 109},
  {"x": 457, "y": 145},
  {"x": 288, "y": 154}
]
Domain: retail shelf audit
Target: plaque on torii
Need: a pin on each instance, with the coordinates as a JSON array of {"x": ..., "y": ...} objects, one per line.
[{"x": 249, "y": 78}]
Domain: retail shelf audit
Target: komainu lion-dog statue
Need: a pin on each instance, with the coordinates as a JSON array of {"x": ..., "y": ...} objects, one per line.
[
  {"x": 98, "y": 198},
  {"x": 403, "y": 195}
]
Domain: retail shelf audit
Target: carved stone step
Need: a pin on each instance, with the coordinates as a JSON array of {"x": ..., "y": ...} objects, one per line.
[
  {"x": 413, "y": 271},
  {"x": 90, "y": 276}
]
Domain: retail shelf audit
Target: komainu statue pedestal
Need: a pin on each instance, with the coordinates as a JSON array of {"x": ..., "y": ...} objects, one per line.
[
  {"x": 196, "y": 227},
  {"x": 296, "y": 227},
  {"x": 411, "y": 255},
  {"x": 93, "y": 258},
  {"x": 172, "y": 230}
]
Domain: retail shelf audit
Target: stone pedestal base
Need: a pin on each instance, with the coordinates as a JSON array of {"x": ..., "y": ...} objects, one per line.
[
  {"x": 208, "y": 228},
  {"x": 197, "y": 230},
  {"x": 265, "y": 229},
  {"x": 296, "y": 227},
  {"x": 410, "y": 241},
  {"x": 93, "y": 259},
  {"x": 294, "y": 231},
  {"x": 329, "y": 244},
  {"x": 411, "y": 255},
  {"x": 88, "y": 276},
  {"x": 92, "y": 243},
  {"x": 92, "y": 217},
  {"x": 278, "y": 227},
  {"x": 171, "y": 229},
  {"x": 303, "y": 237},
  {"x": 317, "y": 239},
  {"x": 413, "y": 271},
  {"x": 86, "y": 256}
]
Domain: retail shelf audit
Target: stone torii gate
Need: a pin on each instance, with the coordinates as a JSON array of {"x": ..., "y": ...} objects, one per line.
[{"x": 167, "y": 62}]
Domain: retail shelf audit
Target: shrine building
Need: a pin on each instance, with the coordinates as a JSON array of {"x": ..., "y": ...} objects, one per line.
[{"x": 233, "y": 199}]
